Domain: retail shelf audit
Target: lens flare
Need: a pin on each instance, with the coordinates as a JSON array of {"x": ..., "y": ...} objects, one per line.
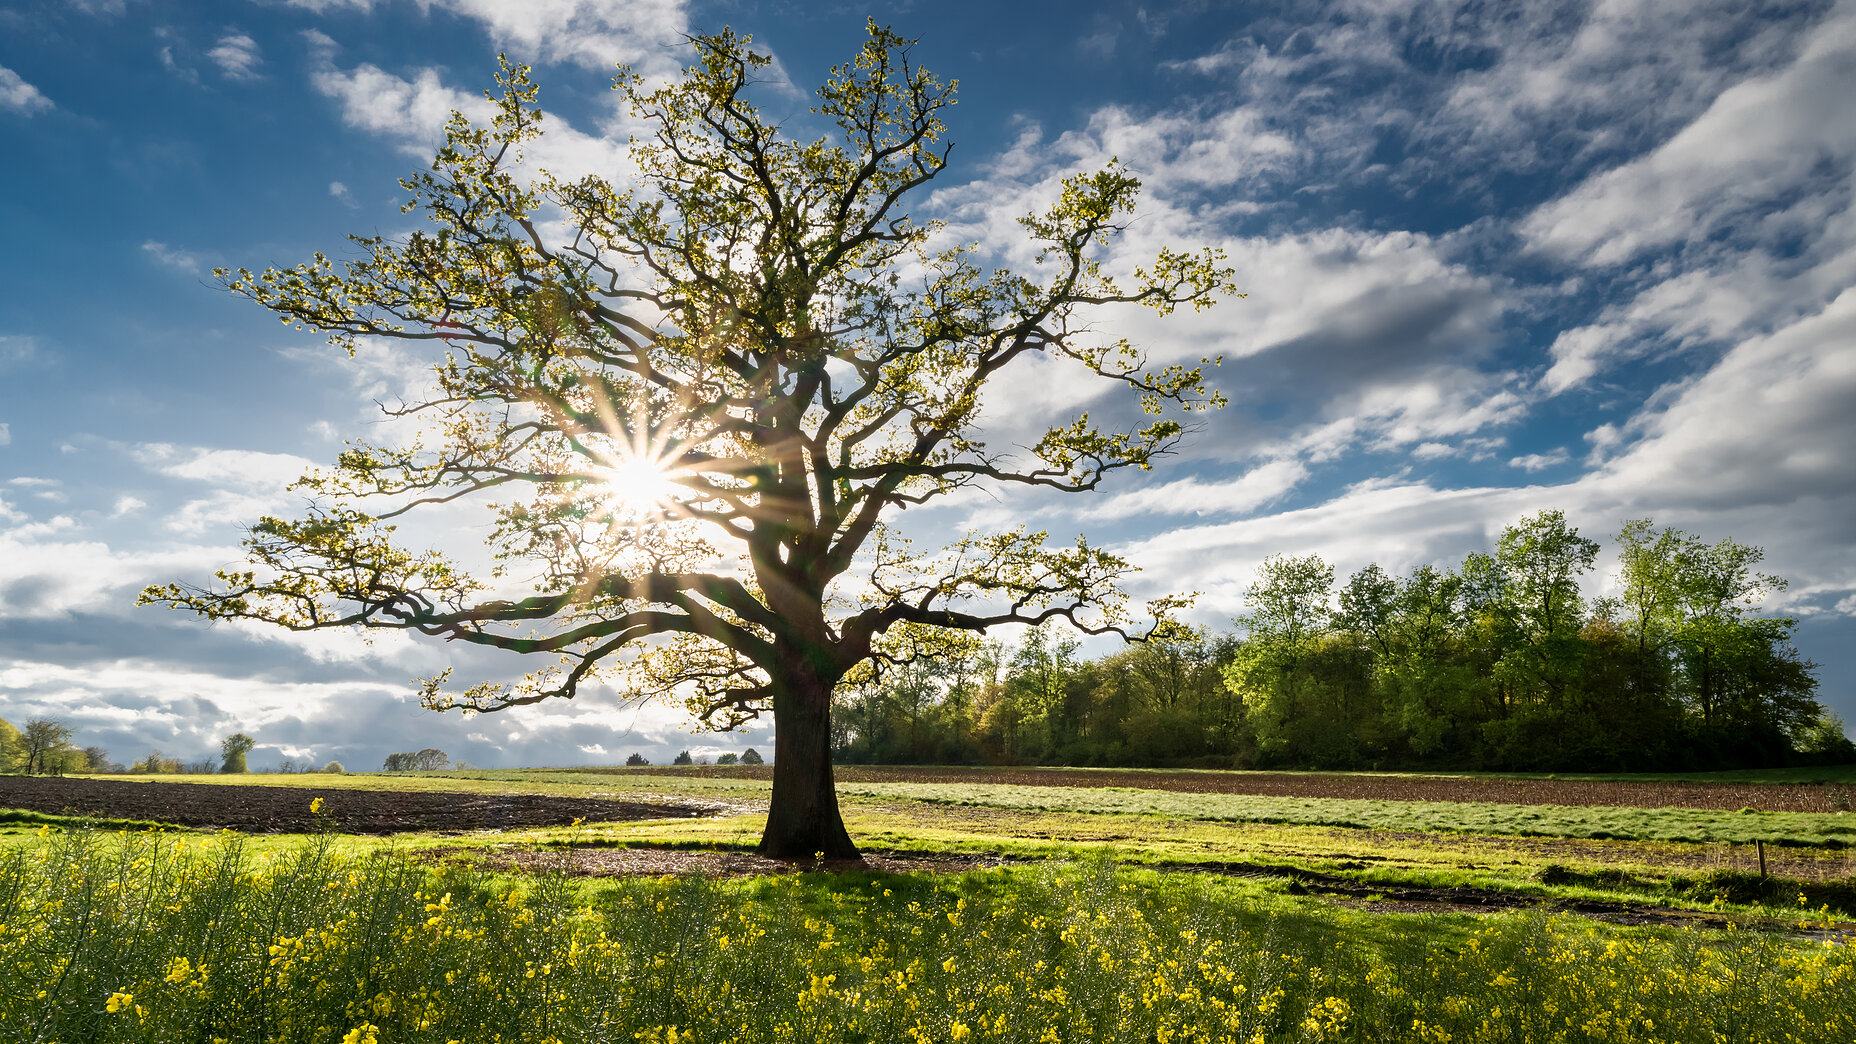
[{"x": 637, "y": 483}]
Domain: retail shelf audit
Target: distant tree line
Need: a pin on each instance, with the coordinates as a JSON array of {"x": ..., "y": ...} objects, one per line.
[
  {"x": 44, "y": 747},
  {"x": 431, "y": 759},
  {"x": 1501, "y": 663},
  {"x": 749, "y": 756}
]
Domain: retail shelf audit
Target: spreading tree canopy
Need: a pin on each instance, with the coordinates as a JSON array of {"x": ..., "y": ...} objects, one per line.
[{"x": 692, "y": 399}]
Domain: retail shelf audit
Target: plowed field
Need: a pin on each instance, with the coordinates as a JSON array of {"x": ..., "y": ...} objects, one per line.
[
  {"x": 1763, "y": 797},
  {"x": 256, "y": 809}
]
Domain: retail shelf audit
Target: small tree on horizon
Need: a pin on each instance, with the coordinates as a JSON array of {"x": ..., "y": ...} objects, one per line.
[
  {"x": 636, "y": 761},
  {"x": 683, "y": 758},
  {"x": 692, "y": 414},
  {"x": 232, "y": 752},
  {"x": 751, "y": 756}
]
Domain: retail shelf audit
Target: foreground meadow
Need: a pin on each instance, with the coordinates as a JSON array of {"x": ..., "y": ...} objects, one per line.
[
  {"x": 1024, "y": 911},
  {"x": 165, "y": 937}
]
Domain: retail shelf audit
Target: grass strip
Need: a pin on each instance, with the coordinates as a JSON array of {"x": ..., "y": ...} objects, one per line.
[{"x": 1805, "y": 829}]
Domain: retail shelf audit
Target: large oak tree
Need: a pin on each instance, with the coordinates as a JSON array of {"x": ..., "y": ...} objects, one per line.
[{"x": 692, "y": 399}]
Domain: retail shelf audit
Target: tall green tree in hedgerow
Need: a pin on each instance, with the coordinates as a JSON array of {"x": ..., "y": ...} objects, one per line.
[
  {"x": 692, "y": 400},
  {"x": 1274, "y": 670}
]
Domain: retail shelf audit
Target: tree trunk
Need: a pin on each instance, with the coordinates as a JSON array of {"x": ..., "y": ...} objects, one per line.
[{"x": 802, "y": 818}]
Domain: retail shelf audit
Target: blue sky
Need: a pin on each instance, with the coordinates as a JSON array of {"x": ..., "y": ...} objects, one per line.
[{"x": 1593, "y": 256}]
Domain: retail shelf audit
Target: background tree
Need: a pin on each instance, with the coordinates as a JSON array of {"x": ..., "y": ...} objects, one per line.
[
  {"x": 430, "y": 759},
  {"x": 751, "y": 756},
  {"x": 695, "y": 410},
  {"x": 683, "y": 758},
  {"x": 636, "y": 760},
  {"x": 156, "y": 763},
  {"x": 232, "y": 752},
  {"x": 44, "y": 744},
  {"x": 12, "y": 748},
  {"x": 401, "y": 761},
  {"x": 1289, "y": 618}
]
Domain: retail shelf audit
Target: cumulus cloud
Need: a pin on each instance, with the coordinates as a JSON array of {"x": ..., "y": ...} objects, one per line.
[
  {"x": 246, "y": 469},
  {"x": 590, "y": 33},
  {"x": 411, "y": 112},
  {"x": 18, "y": 95},
  {"x": 249, "y": 483}
]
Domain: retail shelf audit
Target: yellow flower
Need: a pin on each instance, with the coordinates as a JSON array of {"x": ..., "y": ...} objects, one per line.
[
  {"x": 315, "y": 806},
  {"x": 362, "y": 1034},
  {"x": 179, "y": 970},
  {"x": 959, "y": 1031},
  {"x": 118, "y": 1001}
]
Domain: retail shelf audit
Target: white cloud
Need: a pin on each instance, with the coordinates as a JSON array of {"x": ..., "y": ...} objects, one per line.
[
  {"x": 176, "y": 259},
  {"x": 1533, "y": 462},
  {"x": 243, "y": 469},
  {"x": 18, "y": 95},
  {"x": 591, "y": 33},
  {"x": 127, "y": 505},
  {"x": 48, "y": 570},
  {"x": 412, "y": 112},
  {"x": 6, "y": 434},
  {"x": 338, "y": 190},
  {"x": 249, "y": 483},
  {"x": 1771, "y": 424},
  {"x": 1256, "y": 488},
  {"x": 237, "y": 56},
  {"x": 1759, "y": 139}
]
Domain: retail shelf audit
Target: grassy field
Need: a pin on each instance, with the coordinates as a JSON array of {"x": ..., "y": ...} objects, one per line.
[
  {"x": 163, "y": 937},
  {"x": 1299, "y": 920}
]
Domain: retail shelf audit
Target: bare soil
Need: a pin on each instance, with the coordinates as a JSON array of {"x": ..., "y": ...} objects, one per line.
[
  {"x": 1761, "y": 797},
  {"x": 285, "y": 810}
]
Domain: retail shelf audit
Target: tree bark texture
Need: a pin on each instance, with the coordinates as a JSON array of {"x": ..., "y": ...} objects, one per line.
[{"x": 802, "y": 817}]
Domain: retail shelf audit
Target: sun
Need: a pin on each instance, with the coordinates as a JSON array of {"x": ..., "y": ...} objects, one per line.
[{"x": 638, "y": 483}]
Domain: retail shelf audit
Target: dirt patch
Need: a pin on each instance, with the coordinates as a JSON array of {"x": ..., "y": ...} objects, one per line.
[
  {"x": 285, "y": 810},
  {"x": 1804, "y": 864},
  {"x": 1762, "y": 797}
]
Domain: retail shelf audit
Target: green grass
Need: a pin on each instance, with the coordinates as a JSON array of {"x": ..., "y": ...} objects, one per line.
[
  {"x": 1575, "y": 821},
  {"x": 1506, "y": 849},
  {"x": 1702, "y": 826},
  {"x": 150, "y": 937}
]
